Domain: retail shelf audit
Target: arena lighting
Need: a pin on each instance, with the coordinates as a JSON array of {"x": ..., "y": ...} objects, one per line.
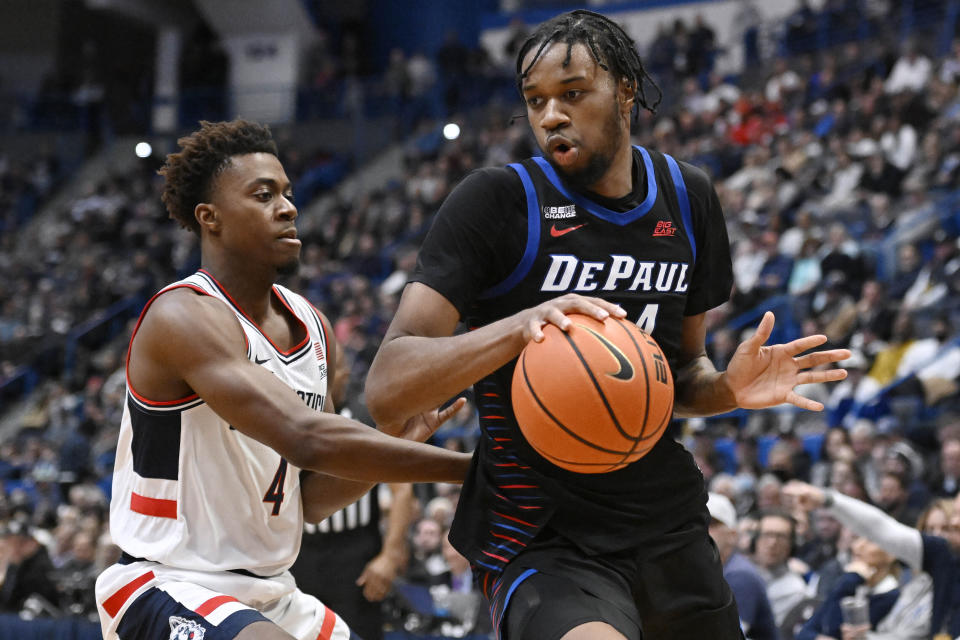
[
  {"x": 451, "y": 131},
  {"x": 143, "y": 150}
]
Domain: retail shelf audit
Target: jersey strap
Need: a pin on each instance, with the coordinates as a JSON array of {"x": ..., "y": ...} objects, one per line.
[
  {"x": 619, "y": 218},
  {"x": 533, "y": 236},
  {"x": 684, "y": 200}
]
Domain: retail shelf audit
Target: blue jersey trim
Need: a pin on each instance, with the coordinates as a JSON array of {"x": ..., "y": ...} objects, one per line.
[
  {"x": 533, "y": 237},
  {"x": 506, "y": 600},
  {"x": 602, "y": 212},
  {"x": 684, "y": 201}
]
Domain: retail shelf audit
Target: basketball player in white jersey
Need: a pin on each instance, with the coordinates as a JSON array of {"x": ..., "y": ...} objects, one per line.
[{"x": 227, "y": 441}]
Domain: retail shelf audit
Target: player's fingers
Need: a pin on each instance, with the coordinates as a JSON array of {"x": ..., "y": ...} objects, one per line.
[
  {"x": 800, "y": 345},
  {"x": 762, "y": 334},
  {"x": 798, "y": 400},
  {"x": 556, "y": 316},
  {"x": 587, "y": 306},
  {"x": 375, "y": 590},
  {"x": 821, "y": 357},
  {"x": 535, "y": 330},
  {"x": 445, "y": 414},
  {"x": 611, "y": 307},
  {"x": 813, "y": 377}
]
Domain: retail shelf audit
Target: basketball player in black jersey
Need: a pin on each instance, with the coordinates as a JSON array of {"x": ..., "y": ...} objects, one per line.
[{"x": 559, "y": 554}]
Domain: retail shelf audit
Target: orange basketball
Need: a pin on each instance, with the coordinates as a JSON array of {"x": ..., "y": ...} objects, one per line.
[{"x": 595, "y": 398}]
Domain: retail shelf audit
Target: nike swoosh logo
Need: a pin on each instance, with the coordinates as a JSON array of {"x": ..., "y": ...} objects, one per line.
[
  {"x": 556, "y": 233},
  {"x": 257, "y": 359},
  {"x": 626, "y": 368}
]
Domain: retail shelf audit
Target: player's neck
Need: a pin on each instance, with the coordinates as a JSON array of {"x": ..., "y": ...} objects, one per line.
[
  {"x": 617, "y": 182},
  {"x": 250, "y": 286}
]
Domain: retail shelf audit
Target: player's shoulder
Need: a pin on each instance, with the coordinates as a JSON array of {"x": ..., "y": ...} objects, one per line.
[
  {"x": 486, "y": 178},
  {"x": 482, "y": 191},
  {"x": 696, "y": 179},
  {"x": 185, "y": 312}
]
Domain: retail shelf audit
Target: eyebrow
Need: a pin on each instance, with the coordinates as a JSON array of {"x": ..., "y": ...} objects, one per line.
[
  {"x": 530, "y": 87},
  {"x": 270, "y": 182}
]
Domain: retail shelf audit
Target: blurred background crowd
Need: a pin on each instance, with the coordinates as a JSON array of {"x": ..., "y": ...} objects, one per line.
[{"x": 832, "y": 138}]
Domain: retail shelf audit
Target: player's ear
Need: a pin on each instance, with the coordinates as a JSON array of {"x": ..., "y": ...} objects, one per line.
[
  {"x": 625, "y": 95},
  {"x": 207, "y": 216}
]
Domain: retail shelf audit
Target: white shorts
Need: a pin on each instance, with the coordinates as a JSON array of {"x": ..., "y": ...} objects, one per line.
[{"x": 149, "y": 601}]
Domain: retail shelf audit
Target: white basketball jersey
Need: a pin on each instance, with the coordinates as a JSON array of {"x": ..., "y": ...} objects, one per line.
[{"x": 189, "y": 490}]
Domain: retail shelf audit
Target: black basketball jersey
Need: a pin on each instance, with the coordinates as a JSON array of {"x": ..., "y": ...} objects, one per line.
[{"x": 661, "y": 254}]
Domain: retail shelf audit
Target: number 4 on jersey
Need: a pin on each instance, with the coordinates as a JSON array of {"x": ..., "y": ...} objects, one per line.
[
  {"x": 275, "y": 493},
  {"x": 648, "y": 319}
]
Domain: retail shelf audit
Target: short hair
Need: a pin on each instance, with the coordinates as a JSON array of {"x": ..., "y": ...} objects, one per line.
[
  {"x": 783, "y": 514},
  {"x": 204, "y": 154},
  {"x": 611, "y": 47}
]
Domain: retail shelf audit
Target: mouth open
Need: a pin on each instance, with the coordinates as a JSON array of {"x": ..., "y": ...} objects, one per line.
[{"x": 564, "y": 154}]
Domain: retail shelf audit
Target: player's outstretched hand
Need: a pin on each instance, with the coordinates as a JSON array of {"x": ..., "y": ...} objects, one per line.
[
  {"x": 420, "y": 427},
  {"x": 555, "y": 312},
  {"x": 761, "y": 376},
  {"x": 804, "y": 496}
]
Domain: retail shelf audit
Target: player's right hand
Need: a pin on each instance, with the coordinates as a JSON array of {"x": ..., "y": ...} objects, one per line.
[{"x": 555, "y": 312}]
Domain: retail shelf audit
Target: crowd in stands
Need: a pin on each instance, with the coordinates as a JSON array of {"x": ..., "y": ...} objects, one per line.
[{"x": 838, "y": 174}]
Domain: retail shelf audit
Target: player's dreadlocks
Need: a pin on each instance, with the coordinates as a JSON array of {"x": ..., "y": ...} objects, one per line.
[
  {"x": 204, "y": 155},
  {"x": 610, "y": 45}
]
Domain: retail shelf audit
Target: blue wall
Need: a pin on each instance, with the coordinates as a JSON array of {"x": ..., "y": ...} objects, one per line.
[{"x": 420, "y": 25}]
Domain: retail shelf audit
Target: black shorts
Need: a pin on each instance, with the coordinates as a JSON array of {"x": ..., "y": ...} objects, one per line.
[{"x": 675, "y": 592}]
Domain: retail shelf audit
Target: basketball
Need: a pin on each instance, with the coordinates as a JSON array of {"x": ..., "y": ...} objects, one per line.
[{"x": 595, "y": 398}]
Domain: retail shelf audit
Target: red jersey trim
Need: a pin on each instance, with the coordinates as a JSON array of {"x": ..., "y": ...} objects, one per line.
[
  {"x": 213, "y": 604},
  {"x": 157, "y": 507},
  {"x": 329, "y": 621},
  {"x": 114, "y": 603},
  {"x": 289, "y": 352},
  {"x": 133, "y": 392}
]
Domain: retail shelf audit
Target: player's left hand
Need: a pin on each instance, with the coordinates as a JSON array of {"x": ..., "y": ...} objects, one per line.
[
  {"x": 378, "y": 576},
  {"x": 420, "y": 427},
  {"x": 761, "y": 376}
]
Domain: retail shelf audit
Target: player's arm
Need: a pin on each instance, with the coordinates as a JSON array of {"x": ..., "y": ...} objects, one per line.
[
  {"x": 191, "y": 342},
  {"x": 420, "y": 363},
  {"x": 378, "y": 574},
  {"x": 698, "y": 387},
  {"x": 323, "y": 494},
  {"x": 758, "y": 375}
]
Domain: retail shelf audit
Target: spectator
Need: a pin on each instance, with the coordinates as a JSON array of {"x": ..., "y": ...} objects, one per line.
[
  {"x": 894, "y": 612},
  {"x": 947, "y": 482},
  {"x": 911, "y": 72},
  {"x": 775, "y": 539},
  {"x": 464, "y": 603},
  {"x": 893, "y": 496},
  {"x": 749, "y": 589},
  {"x": 921, "y": 550},
  {"x": 26, "y": 570},
  {"x": 769, "y": 492},
  {"x": 836, "y": 446},
  {"x": 426, "y": 559},
  {"x": 822, "y": 551}
]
